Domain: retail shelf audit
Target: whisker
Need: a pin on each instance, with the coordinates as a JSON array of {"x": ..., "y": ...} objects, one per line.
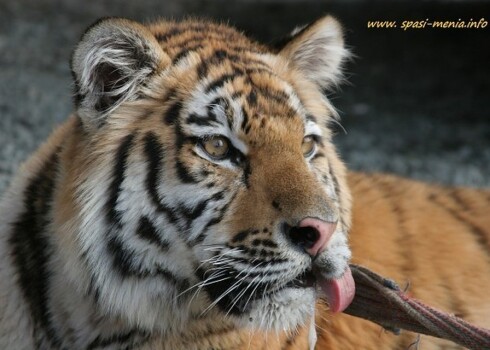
[
  {"x": 253, "y": 291},
  {"x": 228, "y": 291},
  {"x": 202, "y": 282},
  {"x": 206, "y": 282},
  {"x": 237, "y": 298},
  {"x": 225, "y": 293}
]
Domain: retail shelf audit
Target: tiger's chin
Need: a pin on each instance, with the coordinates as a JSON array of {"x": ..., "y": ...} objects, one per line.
[
  {"x": 293, "y": 304},
  {"x": 286, "y": 309}
]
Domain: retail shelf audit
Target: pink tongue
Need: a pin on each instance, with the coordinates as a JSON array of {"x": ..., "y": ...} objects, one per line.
[{"x": 339, "y": 292}]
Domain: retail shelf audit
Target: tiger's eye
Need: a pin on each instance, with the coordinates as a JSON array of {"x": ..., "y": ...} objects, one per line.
[
  {"x": 308, "y": 146},
  {"x": 216, "y": 146}
]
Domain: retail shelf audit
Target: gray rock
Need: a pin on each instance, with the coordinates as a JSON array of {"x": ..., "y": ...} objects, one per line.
[{"x": 416, "y": 105}]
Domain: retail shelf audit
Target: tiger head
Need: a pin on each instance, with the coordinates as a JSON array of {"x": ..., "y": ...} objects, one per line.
[{"x": 205, "y": 182}]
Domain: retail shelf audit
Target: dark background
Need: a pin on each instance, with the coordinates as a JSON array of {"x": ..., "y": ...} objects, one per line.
[{"x": 416, "y": 102}]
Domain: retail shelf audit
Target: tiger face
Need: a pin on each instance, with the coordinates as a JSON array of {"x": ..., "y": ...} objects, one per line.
[{"x": 205, "y": 180}]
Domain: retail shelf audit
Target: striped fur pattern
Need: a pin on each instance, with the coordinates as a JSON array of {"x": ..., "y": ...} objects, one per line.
[{"x": 124, "y": 232}]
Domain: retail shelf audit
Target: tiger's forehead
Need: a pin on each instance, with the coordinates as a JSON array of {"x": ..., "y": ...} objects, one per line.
[
  {"x": 235, "y": 85},
  {"x": 245, "y": 107}
]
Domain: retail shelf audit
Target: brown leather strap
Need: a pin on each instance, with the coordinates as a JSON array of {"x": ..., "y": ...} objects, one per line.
[{"x": 380, "y": 300}]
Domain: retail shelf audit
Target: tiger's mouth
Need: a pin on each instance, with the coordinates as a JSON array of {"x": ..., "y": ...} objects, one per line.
[
  {"x": 236, "y": 296},
  {"x": 338, "y": 292},
  {"x": 233, "y": 295},
  {"x": 304, "y": 280}
]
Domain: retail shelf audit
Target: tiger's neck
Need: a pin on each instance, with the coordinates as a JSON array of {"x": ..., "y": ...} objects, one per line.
[{"x": 216, "y": 335}]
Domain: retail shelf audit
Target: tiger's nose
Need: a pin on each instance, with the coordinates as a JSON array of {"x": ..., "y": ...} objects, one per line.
[{"x": 312, "y": 235}]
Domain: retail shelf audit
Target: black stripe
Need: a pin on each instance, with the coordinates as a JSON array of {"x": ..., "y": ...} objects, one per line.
[
  {"x": 93, "y": 289},
  {"x": 222, "y": 80},
  {"x": 31, "y": 251},
  {"x": 213, "y": 221},
  {"x": 318, "y": 155},
  {"x": 265, "y": 70},
  {"x": 120, "y": 340},
  {"x": 203, "y": 172},
  {"x": 220, "y": 55},
  {"x": 172, "y": 32},
  {"x": 185, "y": 52},
  {"x": 193, "y": 38},
  {"x": 481, "y": 235},
  {"x": 214, "y": 59},
  {"x": 191, "y": 214},
  {"x": 155, "y": 154},
  {"x": 181, "y": 29},
  {"x": 217, "y": 57},
  {"x": 180, "y": 284},
  {"x": 241, "y": 236},
  {"x": 184, "y": 174},
  {"x": 310, "y": 117},
  {"x": 456, "y": 196},
  {"x": 245, "y": 120},
  {"x": 317, "y": 139},
  {"x": 263, "y": 253},
  {"x": 247, "y": 171},
  {"x": 148, "y": 232},
  {"x": 218, "y": 101},
  {"x": 275, "y": 95},
  {"x": 254, "y": 261},
  {"x": 264, "y": 242},
  {"x": 202, "y": 120},
  {"x": 224, "y": 103},
  {"x": 126, "y": 264},
  {"x": 245, "y": 57},
  {"x": 199, "y": 239},
  {"x": 123, "y": 260},
  {"x": 210, "y": 118},
  {"x": 254, "y": 252},
  {"x": 117, "y": 178},
  {"x": 172, "y": 113},
  {"x": 181, "y": 138},
  {"x": 252, "y": 98},
  {"x": 241, "y": 51},
  {"x": 237, "y": 94},
  {"x": 404, "y": 236}
]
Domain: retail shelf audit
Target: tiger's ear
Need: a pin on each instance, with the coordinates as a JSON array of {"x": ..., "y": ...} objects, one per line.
[
  {"x": 113, "y": 60},
  {"x": 318, "y": 51}
]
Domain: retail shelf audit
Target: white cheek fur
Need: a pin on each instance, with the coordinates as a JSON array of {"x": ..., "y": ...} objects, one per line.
[{"x": 285, "y": 310}]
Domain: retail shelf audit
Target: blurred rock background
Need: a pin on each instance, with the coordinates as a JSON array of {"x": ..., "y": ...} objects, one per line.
[{"x": 417, "y": 101}]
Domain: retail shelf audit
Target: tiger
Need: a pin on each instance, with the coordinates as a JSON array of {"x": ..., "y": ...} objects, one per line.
[{"x": 195, "y": 200}]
